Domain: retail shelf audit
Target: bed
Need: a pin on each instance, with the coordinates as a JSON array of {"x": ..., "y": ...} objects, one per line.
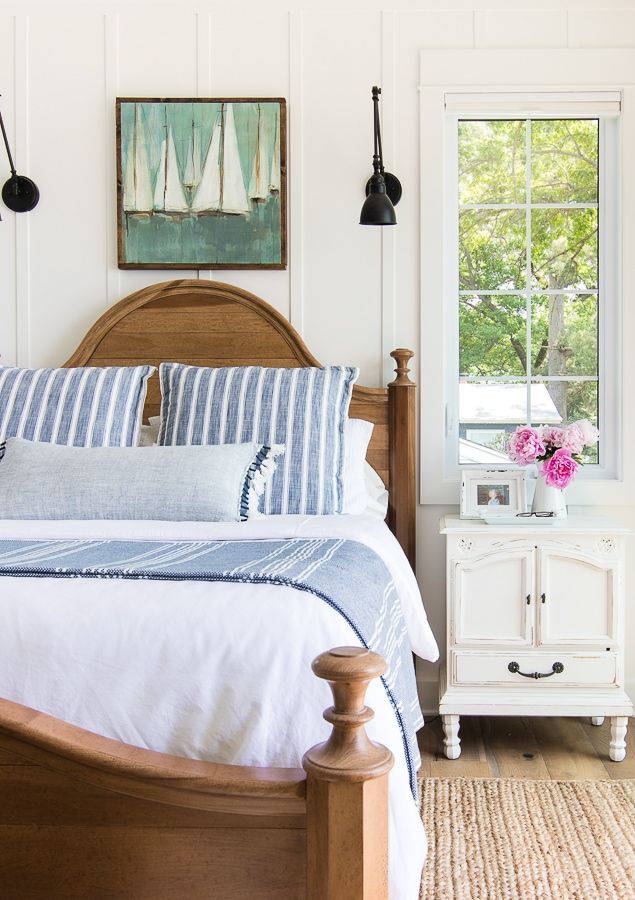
[{"x": 92, "y": 816}]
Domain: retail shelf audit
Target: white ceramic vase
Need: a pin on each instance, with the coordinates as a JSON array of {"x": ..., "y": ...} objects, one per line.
[{"x": 549, "y": 499}]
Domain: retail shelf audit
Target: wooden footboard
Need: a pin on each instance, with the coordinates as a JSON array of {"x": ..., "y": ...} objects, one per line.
[{"x": 82, "y": 816}]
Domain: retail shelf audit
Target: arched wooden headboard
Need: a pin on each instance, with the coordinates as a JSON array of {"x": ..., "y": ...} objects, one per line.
[{"x": 208, "y": 323}]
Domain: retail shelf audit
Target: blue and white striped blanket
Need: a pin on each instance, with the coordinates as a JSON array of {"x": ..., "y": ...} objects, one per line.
[{"x": 347, "y": 575}]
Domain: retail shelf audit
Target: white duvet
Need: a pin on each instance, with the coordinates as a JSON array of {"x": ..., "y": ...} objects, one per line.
[{"x": 204, "y": 670}]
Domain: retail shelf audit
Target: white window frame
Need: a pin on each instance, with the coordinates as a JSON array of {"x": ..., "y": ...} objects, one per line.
[
  {"x": 503, "y": 70},
  {"x": 555, "y": 105}
]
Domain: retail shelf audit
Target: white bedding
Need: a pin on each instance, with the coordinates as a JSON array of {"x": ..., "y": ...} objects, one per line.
[{"x": 204, "y": 670}]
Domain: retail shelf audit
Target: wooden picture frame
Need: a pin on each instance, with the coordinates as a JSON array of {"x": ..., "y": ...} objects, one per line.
[{"x": 201, "y": 183}]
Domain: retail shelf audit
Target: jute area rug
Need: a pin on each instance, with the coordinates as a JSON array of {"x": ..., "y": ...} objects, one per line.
[{"x": 511, "y": 839}]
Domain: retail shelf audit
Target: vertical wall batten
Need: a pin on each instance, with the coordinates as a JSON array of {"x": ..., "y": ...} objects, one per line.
[
  {"x": 389, "y": 235},
  {"x": 295, "y": 172},
  {"x": 8, "y": 333},
  {"x": 111, "y": 90},
  {"x": 22, "y": 221}
]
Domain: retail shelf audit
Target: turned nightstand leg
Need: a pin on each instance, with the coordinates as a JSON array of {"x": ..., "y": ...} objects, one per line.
[
  {"x": 451, "y": 742},
  {"x": 617, "y": 747},
  {"x": 597, "y": 720}
]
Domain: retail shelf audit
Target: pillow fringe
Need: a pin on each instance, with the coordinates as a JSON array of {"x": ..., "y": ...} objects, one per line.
[{"x": 259, "y": 473}]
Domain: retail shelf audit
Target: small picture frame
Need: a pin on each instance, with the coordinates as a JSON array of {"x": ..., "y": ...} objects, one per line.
[{"x": 492, "y": 492}]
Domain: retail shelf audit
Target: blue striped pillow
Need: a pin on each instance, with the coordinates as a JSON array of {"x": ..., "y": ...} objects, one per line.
[
  {"x": 85, "y": 407},
  {"x": 305, "y": 409}
]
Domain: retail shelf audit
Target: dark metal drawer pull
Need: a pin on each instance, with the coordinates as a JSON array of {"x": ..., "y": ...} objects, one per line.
[{"x": 556, "y": 669}]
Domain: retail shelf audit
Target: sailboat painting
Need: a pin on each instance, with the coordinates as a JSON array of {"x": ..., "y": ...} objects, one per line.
[{"x": 201, "y": 183}]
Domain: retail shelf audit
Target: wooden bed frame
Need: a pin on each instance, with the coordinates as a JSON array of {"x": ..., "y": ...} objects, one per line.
[{"x": 83, "y": 816}]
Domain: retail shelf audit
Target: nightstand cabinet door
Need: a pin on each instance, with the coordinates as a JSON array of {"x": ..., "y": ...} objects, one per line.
[
  {"x": 577, "y": 599},
  {"x": 494, "y": 598}
]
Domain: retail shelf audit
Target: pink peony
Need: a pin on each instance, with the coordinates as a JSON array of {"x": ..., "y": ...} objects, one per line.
[
  {"x": 573, "y": 439},
  {"x": 590, "y": 432},
  {"x": 551, "y": 434},
  {"x": 559, "y": 469},
  {"x": 524, "y": 445}
]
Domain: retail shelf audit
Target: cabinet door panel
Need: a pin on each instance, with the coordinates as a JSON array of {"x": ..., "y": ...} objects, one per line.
[
  {"x": 579, "y": 599},
  {"x": 491, "y": 595}
]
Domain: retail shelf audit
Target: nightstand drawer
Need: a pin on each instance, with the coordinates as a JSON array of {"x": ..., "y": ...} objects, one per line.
[{"x": 520, "y": 668}]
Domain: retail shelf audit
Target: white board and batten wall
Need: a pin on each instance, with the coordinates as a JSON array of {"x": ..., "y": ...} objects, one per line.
[{"x": 354, "y": 293}]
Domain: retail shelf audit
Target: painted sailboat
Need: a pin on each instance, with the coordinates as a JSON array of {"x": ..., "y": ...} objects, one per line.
[
  {"x": 274, "y": 180},
  {"x": 169, "y": 196},
  {"x": 192, "y": 174},
  {"x": 221, "y": 188},
  {"x": 137, "y": 188},
  {"x": 258, "y": 185}
]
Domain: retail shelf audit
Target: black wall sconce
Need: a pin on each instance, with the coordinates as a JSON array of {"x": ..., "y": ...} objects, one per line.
[
  {"x": 19, "y": 193},
  {"x": 383, "y": 190}
]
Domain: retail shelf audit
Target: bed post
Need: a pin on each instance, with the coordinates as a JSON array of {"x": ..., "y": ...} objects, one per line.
[
  {"x": 402, "y": 508},
  {"x": 347, "y": 787}
]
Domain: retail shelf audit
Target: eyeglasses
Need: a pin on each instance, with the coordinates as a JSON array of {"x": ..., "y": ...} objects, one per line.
[{"x": 538, "y": 515}]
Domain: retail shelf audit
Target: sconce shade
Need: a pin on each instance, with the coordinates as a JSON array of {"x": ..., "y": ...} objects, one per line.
[{"x": 377, "y": 208}]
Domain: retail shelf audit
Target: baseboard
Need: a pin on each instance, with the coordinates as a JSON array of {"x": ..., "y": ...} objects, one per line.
[{"x": 428, "y": 690}]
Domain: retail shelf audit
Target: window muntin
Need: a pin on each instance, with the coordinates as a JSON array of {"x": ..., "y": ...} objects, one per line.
[{"x": 528, "y": 277}]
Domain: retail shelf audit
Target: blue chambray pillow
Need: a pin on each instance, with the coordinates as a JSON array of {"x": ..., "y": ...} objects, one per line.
[
  {"x": 83, "y": 407},
  {"x": 178, "y": 484},
  {"x": 304, "y": 408}
]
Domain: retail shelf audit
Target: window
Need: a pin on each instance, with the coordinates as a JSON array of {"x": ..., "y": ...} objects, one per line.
[{"x": 532, "y": 294}]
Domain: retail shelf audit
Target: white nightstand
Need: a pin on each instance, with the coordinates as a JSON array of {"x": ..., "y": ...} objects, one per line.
[{"x": 535, "y": 619}]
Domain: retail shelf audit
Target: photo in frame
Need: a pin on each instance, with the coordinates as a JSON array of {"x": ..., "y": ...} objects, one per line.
[
  {"x": 201, "y": 183},
  {"x": 493, "y": 492}
]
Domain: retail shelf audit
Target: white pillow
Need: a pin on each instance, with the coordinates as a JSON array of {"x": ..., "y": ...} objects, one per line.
[
  {"x": 376, "y": 494},
  {"x": 357, "y": 435}
]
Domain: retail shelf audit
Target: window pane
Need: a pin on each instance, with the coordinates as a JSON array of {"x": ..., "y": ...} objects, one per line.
[
  {"x": 564, "y": 335},
  {"x": 564, "y": 161},
  {"x": 492, "y": 249},
  {"x": 492, "y": 162},
  {"x": 564, "y": 249},
  {"x": 573, "y": 400},
  {"x": 493, "y": 335},
  {"x": 564, "y": 402},
  {"x": 490, "y": 411},
  {"x": 483, "y": 446}
]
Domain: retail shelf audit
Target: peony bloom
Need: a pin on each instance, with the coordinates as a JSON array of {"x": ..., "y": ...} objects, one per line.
[
  {"x": 590, "y": 432},
  {"x": 559, "y": 470},
  {"x": 551, "y": 434},
  {"x": 573, "y": 439},
  {"x": 525, "y": 445}
]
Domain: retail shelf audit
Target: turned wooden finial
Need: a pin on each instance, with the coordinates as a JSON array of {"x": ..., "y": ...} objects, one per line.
[
  {"x": 402, "y": 358},
  {"x": 348, "y": 754}
]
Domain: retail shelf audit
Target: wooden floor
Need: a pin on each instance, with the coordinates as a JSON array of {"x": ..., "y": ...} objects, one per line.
[{"x": 543, "y": 748}]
